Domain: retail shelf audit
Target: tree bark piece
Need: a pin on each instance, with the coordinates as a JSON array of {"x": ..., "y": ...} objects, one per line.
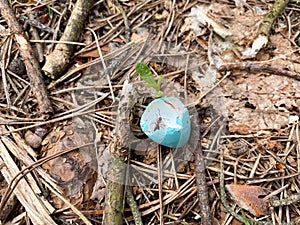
[
  {"x": 58, "y": 61},
  {"x": 31, "y": 64}
]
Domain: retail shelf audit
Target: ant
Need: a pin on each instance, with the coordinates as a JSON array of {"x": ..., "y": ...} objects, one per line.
[{"x": 158, "y": 122}]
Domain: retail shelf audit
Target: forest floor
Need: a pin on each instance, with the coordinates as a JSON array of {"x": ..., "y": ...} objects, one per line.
[{"x": 71, "y": 102}]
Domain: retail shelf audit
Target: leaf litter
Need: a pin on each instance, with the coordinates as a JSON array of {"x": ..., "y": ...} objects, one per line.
[{"x": 260, "y": 144}]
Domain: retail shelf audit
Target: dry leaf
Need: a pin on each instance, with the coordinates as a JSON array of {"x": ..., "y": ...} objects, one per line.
[
  {"x": 250, "y": 198},
  {"x": 260, "y": 103},
  {"x": 200, "y": 16},
  {"x": 280, "y": 166},
  {"x": 165, "y": 14},
  {"x": 75, "y": 171}
]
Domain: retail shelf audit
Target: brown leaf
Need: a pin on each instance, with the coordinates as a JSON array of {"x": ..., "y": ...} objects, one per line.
[
  {"x": 250, "y": 198},
  {"x": 239, "y": 128},
  {"x": 74, "y": 172}
]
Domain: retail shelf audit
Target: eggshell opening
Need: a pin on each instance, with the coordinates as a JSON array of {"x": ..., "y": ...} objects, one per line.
[{"x": 167, "y": 122}]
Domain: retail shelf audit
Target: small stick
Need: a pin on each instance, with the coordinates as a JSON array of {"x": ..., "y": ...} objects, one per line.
[
  {"x": 223, "y": 194},
  {"x": 202, "y": 186},
  {"x": 134, "y": 208},
  {"x": 39, "y": 47},
  {"x": 269, "y": 19},
  {"x": 4, "y": 76},
  {"x": 35, "y": 23},
  {"x": 116, "y": 173},
  {"x": 125, "y": 18},
  {"x": 265, "y": 27}
]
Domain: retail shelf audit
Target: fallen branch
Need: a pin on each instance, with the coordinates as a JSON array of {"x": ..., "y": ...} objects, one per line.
[
  {"x": 265, "y": 27},
  {"x": 58, "y": 61},
  {"x": 258, "y": 68},
  {"x": 32, "y": 65},
  {"x": 269, "y": 19},
  {"x": 114, "y": 201}
]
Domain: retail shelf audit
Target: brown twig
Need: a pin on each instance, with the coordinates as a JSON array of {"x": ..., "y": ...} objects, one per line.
[
  {"x": 34, "y": 23},
  {"x": 160, "y": 181},
  {"x": 293, "y": 199},
  {"x": 36, "y": 36},
  {"x": 59, "y": 60},
  {"x": 256, "y": 68},
  {"x": 32, "y": 65},
  {"x": 125, "y": 18}
]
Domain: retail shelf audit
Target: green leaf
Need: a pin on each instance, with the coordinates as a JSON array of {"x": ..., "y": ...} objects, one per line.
[
  {"x": 146, "y": 74},
  {"x": 159, "y": 94}
]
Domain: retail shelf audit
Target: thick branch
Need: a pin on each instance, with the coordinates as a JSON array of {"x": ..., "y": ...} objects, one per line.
[
  {"x": 117, "y": 166},
  {"x": 58, "y": 61},
  {"x": 269, "y": 19}
]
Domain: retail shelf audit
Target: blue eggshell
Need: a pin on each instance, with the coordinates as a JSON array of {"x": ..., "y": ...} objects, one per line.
[{"x": 167, "y": 122}]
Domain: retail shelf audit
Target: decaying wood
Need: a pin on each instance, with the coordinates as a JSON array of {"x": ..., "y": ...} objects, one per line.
[
  {"x": 32, "y": 65},
  {"x": 59, "y": 59}
]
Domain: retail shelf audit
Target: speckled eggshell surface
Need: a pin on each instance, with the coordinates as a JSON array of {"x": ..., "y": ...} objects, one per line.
[{"x": 167, "y": 122}]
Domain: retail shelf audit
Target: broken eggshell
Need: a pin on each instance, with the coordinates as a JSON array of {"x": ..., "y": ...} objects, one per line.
[{"x": 167, "y": 122}]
